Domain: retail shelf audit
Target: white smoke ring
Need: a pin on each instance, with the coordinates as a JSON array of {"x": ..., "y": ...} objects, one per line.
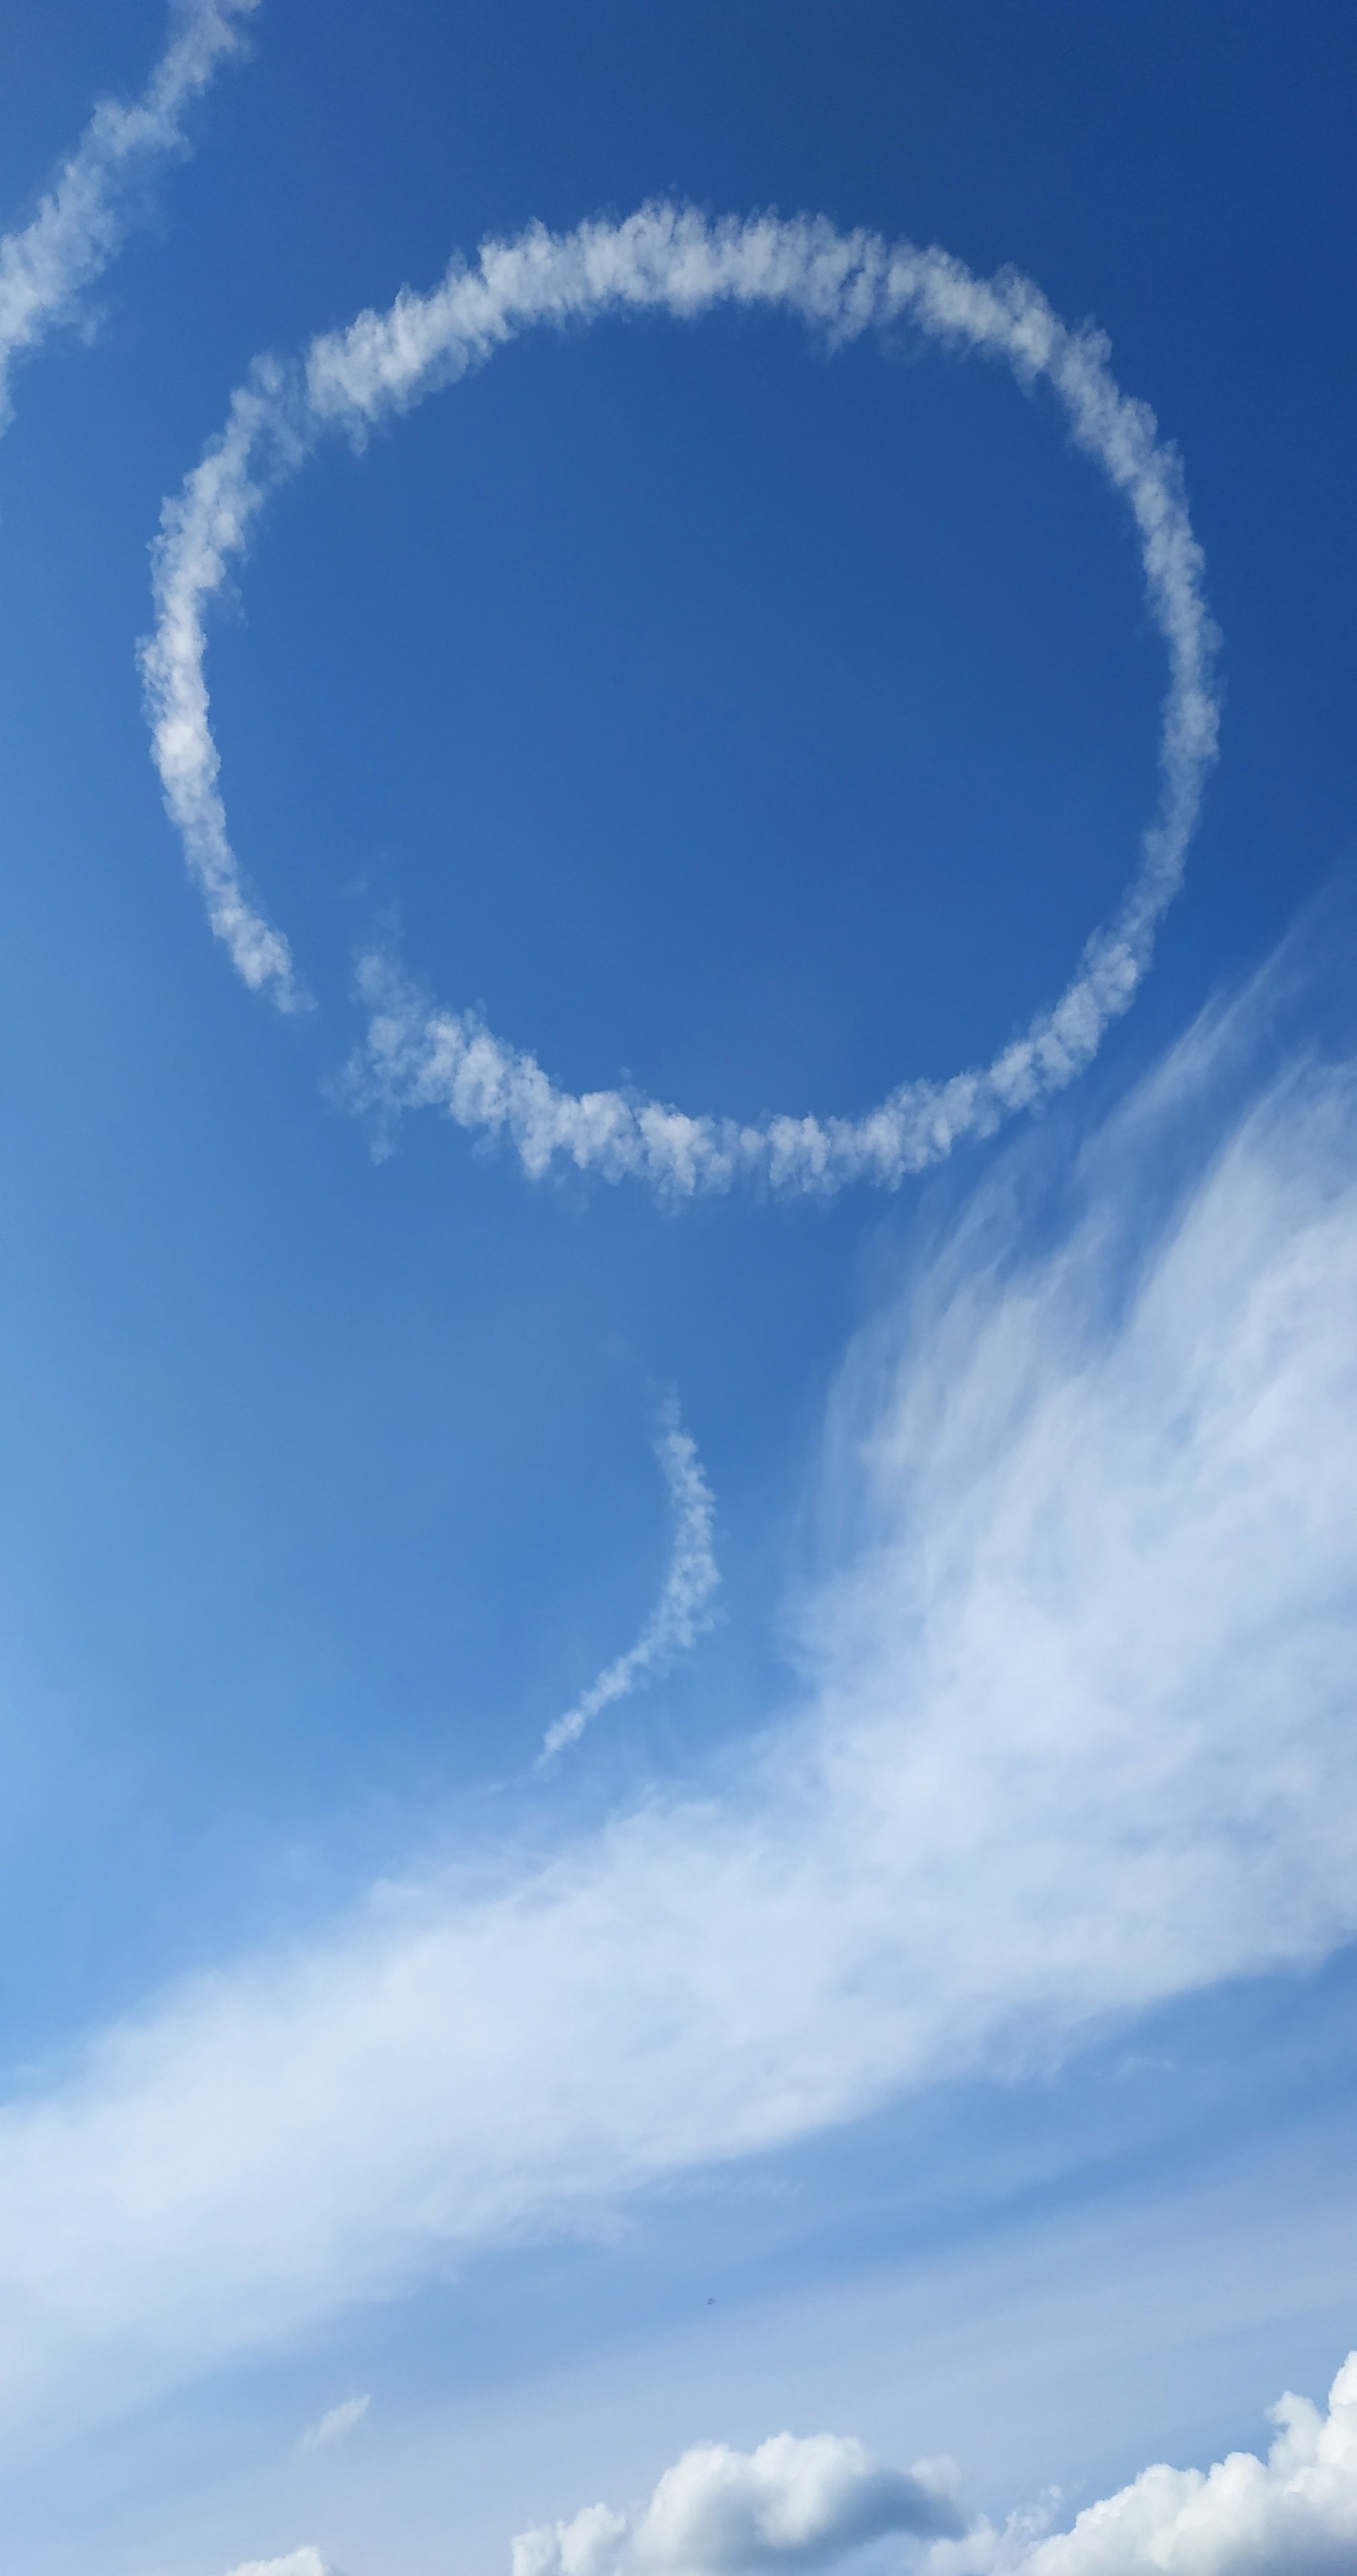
[{"x": 674, "y": 260}]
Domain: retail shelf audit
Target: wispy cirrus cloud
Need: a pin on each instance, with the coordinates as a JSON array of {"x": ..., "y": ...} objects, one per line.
[
  {"x": 672, "y": 260},
  {"x": 81, "y": 220},
  {"x": 335, "y": 2425},
  {"x": 1074, "y": 1736},
  {"x": 684, "y": 1610}
]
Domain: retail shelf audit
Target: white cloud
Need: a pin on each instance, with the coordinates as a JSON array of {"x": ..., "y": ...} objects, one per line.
[
  {"x": 717, "y": 2512},
  {"x": 335, "y": 2424},
  {"x": 81, "y": 221},
  {"x": 1293, "y": 2514},
  {"x": 683, "y": 1612},
  {"x": 1075, "y": 1736},
  {"x": 790, "y": 2503},
  {"x": 301, "y": 2562},
  {"x": 671, "y": 260}
]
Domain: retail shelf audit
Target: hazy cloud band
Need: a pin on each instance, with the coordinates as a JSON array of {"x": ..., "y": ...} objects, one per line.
[{"x": 1075, "y": 1736}]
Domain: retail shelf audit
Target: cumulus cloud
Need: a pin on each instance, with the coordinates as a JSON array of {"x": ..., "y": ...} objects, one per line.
[
  {"x": 81, "y": 221},
  {"x": 1073, "y": 1735},
  {"x": 301, "y": 2562},
  {"x": 790, "y": 2503},
  {"x": 1292, "y": 2514},
  {"x": 334, "y": 2425},
  {"x": 684, "y": 1610},
  {"x": 717, "y": 2512},
  {"x": 672, "y": 260}
]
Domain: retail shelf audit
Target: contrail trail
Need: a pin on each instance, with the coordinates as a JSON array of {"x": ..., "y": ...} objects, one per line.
[
  {"x": 674, "y": 260},
  {"x": 683, "y": 1612},
  {"x": 81, "y": 221}
]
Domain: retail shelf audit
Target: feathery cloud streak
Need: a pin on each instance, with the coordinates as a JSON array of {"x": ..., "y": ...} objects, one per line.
[
  {"x": 81, "y": 221},
  {"x": 335, "y": 2425},
  {"x": 1293, "y": 2514},
  {"x": 672, "y": 260},
  {"x": 792, "y": 2503},
  {"x": 1075, "y": 1735},
  {"x": 684, "y": 1610}
]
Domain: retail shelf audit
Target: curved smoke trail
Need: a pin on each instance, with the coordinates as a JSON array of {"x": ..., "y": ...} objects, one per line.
[
  {"x": 673, "y": 260},
  {"x": 81, "y": 221},
  {"x": 683, "y": 1612}
]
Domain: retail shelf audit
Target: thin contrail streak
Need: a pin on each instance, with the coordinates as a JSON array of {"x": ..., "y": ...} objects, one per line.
[
  {"x": 674, "y": 260},
  {"x": 81, "y": 221},
  {"x": 683, "y": 1612}
]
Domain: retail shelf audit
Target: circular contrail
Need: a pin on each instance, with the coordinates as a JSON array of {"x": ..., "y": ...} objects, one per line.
[{"x": 674, "y": 260}]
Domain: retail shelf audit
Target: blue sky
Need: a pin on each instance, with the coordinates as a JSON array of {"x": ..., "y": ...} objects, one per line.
[{"x": 911, "y": 2010}]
